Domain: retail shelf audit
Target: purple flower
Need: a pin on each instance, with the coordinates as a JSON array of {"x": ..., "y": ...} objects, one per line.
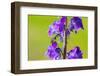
[
  {"x": 57, "y": 27},
  {"x": 53, "y": 51},
  {"x": 51, "y": 30},
  {"x": 54, "y": 44},
  {"x": 76, "y": 24},
  {"x": 75, "y": 53},
  {"x": 62, "y": 24},
  {"x": 67, "y": 32}
]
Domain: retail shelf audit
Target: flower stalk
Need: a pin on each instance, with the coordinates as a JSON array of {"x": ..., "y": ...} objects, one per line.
[
  {"x": 65, "y": 41},
  {"x": 65, "y": 46}
]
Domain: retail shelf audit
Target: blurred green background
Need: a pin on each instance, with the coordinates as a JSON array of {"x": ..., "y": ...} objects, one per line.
[{"x": 38, "y": 40}]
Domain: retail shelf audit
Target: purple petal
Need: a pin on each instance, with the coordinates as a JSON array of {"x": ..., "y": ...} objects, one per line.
[
  {"x": 51, "y": 30},
  {"x": 75, "y": 53},
  {"x": 53, "y": 53},
  {"x": 67, "y": 32},
  {"x": 76, "y": 24},
  {"x": 54, "y": 44},
  {"x": 57, "y": 27},
  {"x": 58, "y": 50},
  {"x": 63, "y": 19},
  {"x": 61, "y": 27},
  {"x": 71, "y": 27}
]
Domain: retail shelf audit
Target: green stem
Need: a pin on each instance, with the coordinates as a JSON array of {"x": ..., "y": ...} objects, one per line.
[
  {"x": 65, "y": 47},
  {"x": 65, "y": 42}
]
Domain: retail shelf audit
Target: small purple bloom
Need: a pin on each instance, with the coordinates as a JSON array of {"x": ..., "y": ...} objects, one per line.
[
  {"x": 67, "y": 32},
  {"x": 75, "y": 53},
  {"x": 51, "y": 30},
  {"x": 53, "y": 51},
  {"x": 57, "y": 27},
  {"x": 76, "y": 24},
  {"x": 61, "y": 27},
  {"x": 54, "y": 44},
  {"x": 62, "y": 23},
  {"x": 58, "y": 50},
  {"x": 63, "y": 19}
]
